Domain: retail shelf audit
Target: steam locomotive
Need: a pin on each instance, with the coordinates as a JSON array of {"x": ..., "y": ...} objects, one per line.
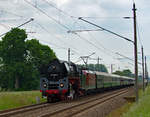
[{"x": 64, "y": 79}]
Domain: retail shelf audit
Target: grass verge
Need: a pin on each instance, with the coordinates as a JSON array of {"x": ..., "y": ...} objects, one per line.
[
  {"x": 142, "y": 109},
  {"x": 119, "y": 112},
  {"x": 10, "y": 100}
]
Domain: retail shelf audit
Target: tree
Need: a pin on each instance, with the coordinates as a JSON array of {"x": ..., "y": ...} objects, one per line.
[
  {"x": 101, "y": 68},
  {"x": 38, "y": 54},
  {"x": 13, "y": 49},
  {"x": 7, "y": 77},
  {"x": 95, "y": 67},
  {"x": 125, "y": 72},
  {"x": 28, "y": 77},
  {"x": 118, "y": 73},
  {"x": 21, "y": 61}
]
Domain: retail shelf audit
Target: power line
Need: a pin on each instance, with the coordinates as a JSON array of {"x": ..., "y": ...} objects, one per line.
[
  {"x": 65, "y": 13},
  {"x": 107, "y": 30},
  {"x": 127, "y": 57},
  {"x": 102, "y": 46},
  {"x": 79, "y": 59},
  {"x": 6, "y": 27},
  {"x": 105, "y": 50},
  {"x": 50, "y": 4},
  {"x": 74, "y": 31},
  {"x": 50, "y": 17},
  {"x": 47, "y": 15},
  {"x": 38, "y": 24},
  {"x": 91, "y": 44},
  {"x": 101, "y": 17},
  {"x": 44, "y": 12},
  {"x": 97, "y": 42},
  {"x": 54, "y": 44},
  {"x": 8, "y": 12},
  {"x": 60, "y": 10},
  {"x": 19, "y": 26},
  {"x": 92, "y": 17},
  {"x": 97, "y": 46},
  {"x": 80, "y": 18},
  {"x": 43, "y": 28},
  {"x": 140, "y": 40},
  {"x": 48, "y": 41},
  {"x": 87, "y": 40},
  {"x": 9, "y": 19}
]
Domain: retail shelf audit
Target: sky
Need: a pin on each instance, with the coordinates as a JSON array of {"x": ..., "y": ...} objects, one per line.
[{"x": 56, "y": 24}]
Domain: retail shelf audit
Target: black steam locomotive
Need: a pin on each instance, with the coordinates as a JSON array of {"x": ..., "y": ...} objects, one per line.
[{"x": 63, "y": 79}]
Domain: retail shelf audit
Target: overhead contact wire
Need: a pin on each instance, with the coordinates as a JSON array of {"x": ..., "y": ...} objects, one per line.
[{"x": 47, "y": 15}]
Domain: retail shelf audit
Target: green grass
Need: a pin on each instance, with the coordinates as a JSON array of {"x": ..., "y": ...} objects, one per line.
[
  {"x": 10, "y": 100},
  {"x": 142, "y": 109}
]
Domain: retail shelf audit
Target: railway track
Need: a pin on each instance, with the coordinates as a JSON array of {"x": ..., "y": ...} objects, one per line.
[
  {"x": 76, "y": 109},
  {"x": 15, "y": 111},
  {"x": 65, "y": 109},
  {"x": 8, "y": 110}
]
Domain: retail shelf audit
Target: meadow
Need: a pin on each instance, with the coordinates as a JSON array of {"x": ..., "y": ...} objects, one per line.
[{"x": 10, "y": 100}]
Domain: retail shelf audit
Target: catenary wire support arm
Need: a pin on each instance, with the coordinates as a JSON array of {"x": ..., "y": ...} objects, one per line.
[
  {"x": 85, "y": 58},
  {"x": 80, "y": 18},
  {"x": 19, "y": 26},
  {"x": 75, "y": 31}
]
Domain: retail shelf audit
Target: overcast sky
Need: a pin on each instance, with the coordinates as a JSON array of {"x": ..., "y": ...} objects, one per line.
[{"x": 54, "y": 18}]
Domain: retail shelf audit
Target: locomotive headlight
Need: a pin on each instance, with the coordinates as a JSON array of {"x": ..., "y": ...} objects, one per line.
[
  {"x": 61, "y": 85},
  {"x": 44, "y": 85}
]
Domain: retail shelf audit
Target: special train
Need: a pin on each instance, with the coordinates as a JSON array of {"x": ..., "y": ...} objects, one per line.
[{"x": 64, "y": 80}]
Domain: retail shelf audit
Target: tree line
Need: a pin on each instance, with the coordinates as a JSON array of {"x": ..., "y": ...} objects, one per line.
[
  {"x": 125, "y": 72},
  {"x": 22, "y": 61},
  {"x": 103, "y": 68},
  {"x": 94, "y": 67}
]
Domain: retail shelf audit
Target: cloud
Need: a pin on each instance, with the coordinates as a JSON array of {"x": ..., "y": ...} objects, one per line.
[{"x": 109, "y": 15}]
